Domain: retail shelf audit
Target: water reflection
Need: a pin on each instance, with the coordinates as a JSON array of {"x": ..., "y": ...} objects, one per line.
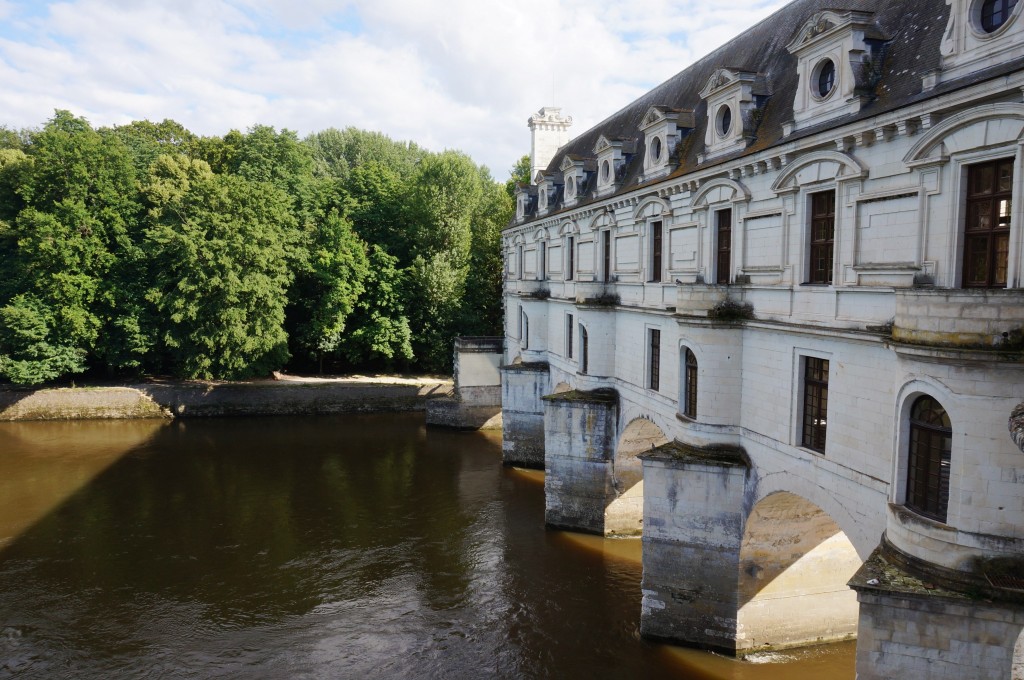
[{"x": 320, "y": 547}]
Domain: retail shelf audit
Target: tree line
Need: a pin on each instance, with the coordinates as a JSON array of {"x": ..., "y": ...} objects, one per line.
[{"x": 147, "y": 249}]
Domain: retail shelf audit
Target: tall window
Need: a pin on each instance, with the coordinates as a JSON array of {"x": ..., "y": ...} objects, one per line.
[
  {"x": 519, "y": 262},
  {"x": 654, "y": 359},
  {"x": 570, "y": 265},
  {"x": 724, "y": 228},
  {"x": 524, "y": 328},
  {"x": 542, "y": 267},
  {"x": 815, "y": 403},
  {"x": 606, "y": 255},
  {"x": 656, "y": 251},
  {"x": 987, "y": 230},
  {"x": 931, "y": 439},
  {"x": 584, "y": 350},
  {"x": 823, "y": 235},
  {"x": 690, "y": 383},
  {"x": 568, "y": 335}
]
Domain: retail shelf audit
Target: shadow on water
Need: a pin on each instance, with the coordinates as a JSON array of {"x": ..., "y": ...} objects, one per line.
[{"x": 304, "y": 547}]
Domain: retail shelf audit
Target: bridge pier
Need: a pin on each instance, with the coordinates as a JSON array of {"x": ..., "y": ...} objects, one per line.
[
  {"x": 693, "y": 531},
  {"x": 522, "y": 439},
  {"x": 579, "y": 436}
]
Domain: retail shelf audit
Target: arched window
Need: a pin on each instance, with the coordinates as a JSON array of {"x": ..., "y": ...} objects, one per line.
[
  {"x": 690, "y": 385},
  {"x": 931, "y": 439}
]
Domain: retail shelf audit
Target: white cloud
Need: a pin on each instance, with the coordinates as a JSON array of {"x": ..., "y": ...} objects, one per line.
[{"x": 455, "y": 74}]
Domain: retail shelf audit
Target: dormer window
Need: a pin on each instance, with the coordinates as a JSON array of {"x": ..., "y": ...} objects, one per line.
[
  {"x": 612, "y": 155},
  {"x": 574, "y": 173},
  {"x": 835, "y": 54},
  {"x": 546, "y": 192},
  {"x": 732, "y": 97},
  {"x": 662, "y": 128},
  {"x": 524, "y": 200}
]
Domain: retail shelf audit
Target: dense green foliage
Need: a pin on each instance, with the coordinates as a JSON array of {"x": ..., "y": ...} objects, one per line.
[{"x": 147, "y": 249}]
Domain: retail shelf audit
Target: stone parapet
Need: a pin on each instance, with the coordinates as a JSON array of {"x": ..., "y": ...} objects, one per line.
[{"x": 959, "y": 318}]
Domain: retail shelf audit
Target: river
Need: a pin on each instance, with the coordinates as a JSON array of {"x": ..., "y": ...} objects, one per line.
[{"x": 332, "y": 547}]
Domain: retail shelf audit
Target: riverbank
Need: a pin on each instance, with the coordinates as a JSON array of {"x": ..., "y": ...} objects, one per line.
[{"x": 283, "y": 395}]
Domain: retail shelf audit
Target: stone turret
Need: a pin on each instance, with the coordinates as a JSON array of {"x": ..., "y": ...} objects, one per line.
[{"x": 549, "y": 131}]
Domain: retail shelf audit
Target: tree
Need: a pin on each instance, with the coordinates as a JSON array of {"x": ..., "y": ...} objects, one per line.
[
  {"x": 379, "y": 329},
  {"x": 330, "y": 282},
  {"x": 481, "y": 310},
  {"x": 519, "y": 174},
  {"x": 28, "y": 356},
  {"x": 221, "y": 247},
  {"x": 73, "y": 247}
]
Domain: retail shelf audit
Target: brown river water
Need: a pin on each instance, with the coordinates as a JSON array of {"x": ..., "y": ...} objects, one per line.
[{"x": 331, "y": 547}]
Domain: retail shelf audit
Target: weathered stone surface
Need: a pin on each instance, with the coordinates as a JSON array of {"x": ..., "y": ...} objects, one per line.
[
  {"x": 579, "y": 440},
  {"x": 522, "y": 439}
]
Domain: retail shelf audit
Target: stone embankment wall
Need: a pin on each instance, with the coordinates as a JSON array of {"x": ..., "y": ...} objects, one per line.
[{"x": 197, "y": 400}]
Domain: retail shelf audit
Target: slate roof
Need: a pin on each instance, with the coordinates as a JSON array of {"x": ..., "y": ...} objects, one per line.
[{"x": 914, "y": 29}]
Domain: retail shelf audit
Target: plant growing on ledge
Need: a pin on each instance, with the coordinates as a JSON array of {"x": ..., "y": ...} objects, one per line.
[{"x": 731, "y": 310}]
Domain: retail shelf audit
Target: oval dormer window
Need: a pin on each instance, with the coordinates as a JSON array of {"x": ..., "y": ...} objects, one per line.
[
  {"x": 824, "y": 80},
  {"x": 995, "y": 13},
  {"x": 570, "y": 186},
  {"x": 656, "y": 149},
  {"x": 724, "y": 122},
  {"x": 606, "y": 172}
]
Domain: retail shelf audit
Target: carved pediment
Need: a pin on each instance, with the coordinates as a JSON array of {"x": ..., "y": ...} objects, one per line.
[
  {"x": 826, "y": 23},
  {"x": 657, "y": 114},
  {"x": 569, "y": 162},
  {"x": 723, "y": 78}
]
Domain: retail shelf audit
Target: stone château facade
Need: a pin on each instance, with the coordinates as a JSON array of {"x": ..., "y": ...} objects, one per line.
[{"x": 769, "y": 316}]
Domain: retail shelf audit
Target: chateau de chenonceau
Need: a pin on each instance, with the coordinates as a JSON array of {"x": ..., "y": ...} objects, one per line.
[{"x": 770, "y": 318}]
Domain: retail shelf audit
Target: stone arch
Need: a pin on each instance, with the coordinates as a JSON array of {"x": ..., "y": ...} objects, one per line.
[
  {"x": 651, "y": 206},
  {"x": 568, "y": 228},
  {"x": 603, "y": 219},
  {"x": 541, "y": 234},
  {"x": 794, "y": 564},
  {"x": 996, "y": 124},
  {"x": 818, "y": 166},
  {"x": 703, "y": 196},
  {"x": 624, "y": 515}
]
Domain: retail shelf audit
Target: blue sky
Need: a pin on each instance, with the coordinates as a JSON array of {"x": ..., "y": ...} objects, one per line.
[{"x": 463, "y": 74}]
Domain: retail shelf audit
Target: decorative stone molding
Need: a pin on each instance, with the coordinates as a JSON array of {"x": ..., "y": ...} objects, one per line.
[
  {"x": 956, "y": 133},
  {"x": 817, "y": 166},
  {"x": 836, "y": 65}
]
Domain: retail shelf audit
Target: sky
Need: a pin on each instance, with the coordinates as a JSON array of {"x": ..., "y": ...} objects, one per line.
[{"x": 452, "y": 74}]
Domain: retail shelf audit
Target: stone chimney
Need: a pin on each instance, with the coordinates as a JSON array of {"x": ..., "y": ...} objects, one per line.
[{"x": 549, "y": 131}]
